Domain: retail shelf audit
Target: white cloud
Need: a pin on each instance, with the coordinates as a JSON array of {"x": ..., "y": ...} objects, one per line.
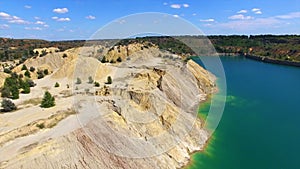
[
  {"x": 33, "y": 28},
  {"x": 90, "y": 17},
  {"x": 4, "y": 26},
  {"x": 207, "y": 20},
  {"x": 18, "y": 21},
  {"x": 194, "y": 14},
  {"x": 37, "y": 18},
  {"x": 186, "y": 5},
  {"x": 46, "y": 26},
  {"x": 40, "y": 23},
  {"x": 255, "y": 9},
  {"x": 258, "y": 12},
  {"x": 292, "y": 15},
  {"x": 242, "y": 11},
  {"x": 176, "y": 16},
  {"x": 165, "y": 3},
  {"x": 175, "y": 6},
  {"x": 61, "y": 10},
  {"x": 4, "y": 15},
  {"x": 240, "y": 17},
  {"x": 27, "y": 6},
  {"x": 12, "y": 19},
  {"x": 61, "y": 19}
]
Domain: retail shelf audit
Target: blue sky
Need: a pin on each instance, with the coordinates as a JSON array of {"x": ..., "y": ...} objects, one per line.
[{"x": 79, "y": 19}]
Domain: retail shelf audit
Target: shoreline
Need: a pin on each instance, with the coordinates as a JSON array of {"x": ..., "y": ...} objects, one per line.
[{"x": 273, "y": 61}]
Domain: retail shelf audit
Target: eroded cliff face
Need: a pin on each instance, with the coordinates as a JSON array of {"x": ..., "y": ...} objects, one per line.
[{"x": 147, "y": 117}]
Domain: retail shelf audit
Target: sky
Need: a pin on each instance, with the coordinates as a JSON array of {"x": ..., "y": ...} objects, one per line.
[{"x": 80, "y": 19}]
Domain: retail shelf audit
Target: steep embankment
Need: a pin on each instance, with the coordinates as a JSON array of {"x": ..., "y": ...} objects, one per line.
[{"x": 147, "y": 117}]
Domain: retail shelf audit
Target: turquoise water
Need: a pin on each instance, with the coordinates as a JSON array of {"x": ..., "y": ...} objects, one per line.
[{"x": 260, "y": 126}]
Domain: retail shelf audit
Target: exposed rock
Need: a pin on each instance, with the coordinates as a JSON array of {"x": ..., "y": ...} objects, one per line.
[{"x": 147, "y": 118}]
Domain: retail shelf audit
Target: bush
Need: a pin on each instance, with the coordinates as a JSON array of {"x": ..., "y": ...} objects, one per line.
[
  {"x": 103, "y": 60},
  {"x": 97, "y": 84},
  {"x": 31, "y": 83},
  {"x": 6, "y": 70},
  {"x": 24, "y": 67},
  {"x": 25, "y": 86},
  {"x": 27, "y": 74},
  {"x": 48, "y": 100},
  {"x": 109, "y": 80},
  {"x": 119, "y": 59},
  {"x": 46, "y": 72},
  {"x": 5, "y": 92},
  {"x": 31, "y": 69},
  {"x": 40, "y": 74},
  {"x": 65, "y": 55},
  {"x": 14, "y": 92},
  {"x": 8, "y": 105},
  {"x": 40, "y": 126},
  {"x": 56, "y": 84},
  {"x": 90, "y": 80},
  {"x": 78, "y": 81}
]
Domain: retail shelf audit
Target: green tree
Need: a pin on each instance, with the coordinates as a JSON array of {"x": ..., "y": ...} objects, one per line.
[
  {"x": 78, "y": 81},
  {"x": 27, "y": 74},
  {"x": 90, "y": 80},
  {"x": 46, "y": 72},
  {"x": 31, "y": 69},
  {"x": 109, "y": 80},
  {"x": 97, "y": 84},
  {"x": 56, "y": 84},
  {"x": 14, "y": 92},
  {"x": 48, "y": 100},
  {"x": 24, "y": 67},
  {"x": 119, "y": 59},
  {"x": 40, "y": 74},
  {"x": 8, "y": 105},
  {"x": 103, "y": 60},
  {"x": 5, "y": 92}
]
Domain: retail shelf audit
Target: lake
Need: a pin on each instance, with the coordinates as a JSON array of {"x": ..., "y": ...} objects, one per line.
[{"x": 260, "y": 126}]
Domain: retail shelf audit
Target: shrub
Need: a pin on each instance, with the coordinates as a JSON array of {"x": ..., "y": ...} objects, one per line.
[
  {"x": 14, "y": 92},
  {"x": 119, "y": 59},
  {"x": 109, "y": 80},
  {"x": 48, "y": 100},
  {"x": 31, "y": 69},
  {"x": 56, "y": 84},
  {"x": 5, "y": 92},
  {"x": 6, "y": 70},
  {"x": 8, "y": 105},
  {"x": 90, "y": 80},
  {"x": 40, "y": 126},
  {"x": 31, "y": 83},
  {"x": 40, "y": 74},
  {"x": 65, "y": 55},
  {"x": 27, "y": 74},
  {"x": 46, "y": 72},
  {"x": 103, "y": 60},
  {"x": 24, "y": 67},
  {"x": 97, "y": 84},
  {"x": 78, "y": 81}
]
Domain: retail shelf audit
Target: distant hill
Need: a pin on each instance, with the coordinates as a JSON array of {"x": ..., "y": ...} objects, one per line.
[{"x": 279, "y": 47}]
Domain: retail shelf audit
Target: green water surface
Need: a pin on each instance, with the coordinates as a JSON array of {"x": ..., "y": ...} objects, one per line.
[{"x": 260, "y": 126}]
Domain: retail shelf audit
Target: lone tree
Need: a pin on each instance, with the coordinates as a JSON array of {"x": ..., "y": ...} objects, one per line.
[
  {"x": 8, "y": 105},
  {"x": 56, "y": 84},
  {"x": 31, "y": 69},
  {"x": 27, "y": 73},
  {"x": 109, "y": 80},
  {"x": 97, "y": 84},
  {"x": 48, "y": 100},
  {"x": 78, "y": 81},
  {"x": 91, "y": 80},
  {"x": 24, "y": 67}
]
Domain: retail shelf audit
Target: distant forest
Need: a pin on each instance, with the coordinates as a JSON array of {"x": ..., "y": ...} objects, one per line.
[{"x": 279, "y": 47}]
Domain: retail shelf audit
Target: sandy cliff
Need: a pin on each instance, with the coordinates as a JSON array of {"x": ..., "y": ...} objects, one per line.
[{"x": 145, "y": 119}]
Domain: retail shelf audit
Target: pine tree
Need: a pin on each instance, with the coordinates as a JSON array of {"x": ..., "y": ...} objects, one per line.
[
  {"x": 109, "y": 80},
  {"x": 27, "y": 74},
  {"x": 8, "y": 105},
  {"x": 24, "y": 67},
  {"x": 91, "y": 80},
  {"x": 48, "y": 100}
]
